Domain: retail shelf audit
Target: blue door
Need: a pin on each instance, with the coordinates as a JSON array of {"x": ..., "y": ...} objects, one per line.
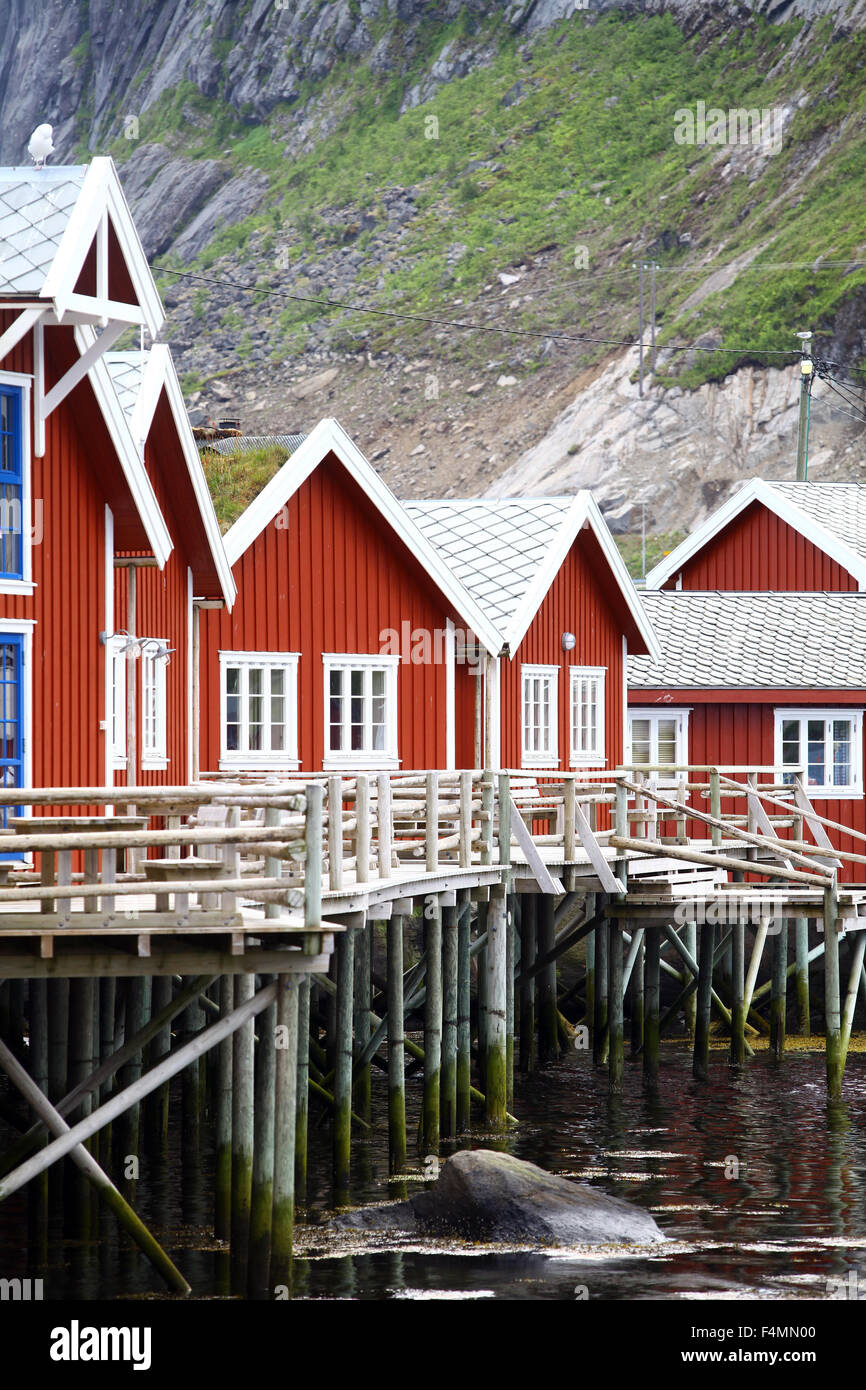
[{"x": 11, "y": 719}]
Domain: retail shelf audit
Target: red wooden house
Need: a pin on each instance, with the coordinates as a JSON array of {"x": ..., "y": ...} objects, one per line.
[
  {"x": 762, "y": 627},
  {"x": 81, "y": 482}
]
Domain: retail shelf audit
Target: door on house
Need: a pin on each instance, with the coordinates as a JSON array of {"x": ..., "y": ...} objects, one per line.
[{"x": 11, "y": 720}]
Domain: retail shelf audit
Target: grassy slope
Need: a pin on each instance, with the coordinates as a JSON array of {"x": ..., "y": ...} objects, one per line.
[{"x": 574, "y": 171}]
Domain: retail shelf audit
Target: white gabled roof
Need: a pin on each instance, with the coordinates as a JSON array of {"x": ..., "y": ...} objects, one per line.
[
  {"x": 330, "y": 437},
  {"x": 832, "y": 516},
  {"x": 138, "y": 379},
  {"x": 507, "y": 552},
  {"x": 760, "y": 641}
]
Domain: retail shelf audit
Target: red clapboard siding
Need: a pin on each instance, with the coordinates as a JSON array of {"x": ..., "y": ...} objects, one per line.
[
  {"x": 329, "y": 575},
  {"x": 579, "y": 602},
  {"x": 759, "y": 551}
]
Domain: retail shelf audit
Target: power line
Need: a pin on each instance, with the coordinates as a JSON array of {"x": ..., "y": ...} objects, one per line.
[{"x": 474, "y": 327}]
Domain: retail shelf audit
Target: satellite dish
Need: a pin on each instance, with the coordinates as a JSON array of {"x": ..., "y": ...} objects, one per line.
[{"x": 40, "y": 146}]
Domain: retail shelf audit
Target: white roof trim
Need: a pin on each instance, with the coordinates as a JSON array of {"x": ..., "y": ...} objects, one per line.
[
  {"x": 101, "y": 192},
  {"x": 196, "y": 472},
  {"x": 757, "y": 490},
  {"x": 583, "y": 510},
  {"x": 143, "y": 495},
  {"x": 330, "y": 437}
]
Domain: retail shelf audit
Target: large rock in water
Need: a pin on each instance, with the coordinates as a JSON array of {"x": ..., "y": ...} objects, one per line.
[{"x": 482, "y": 1195}]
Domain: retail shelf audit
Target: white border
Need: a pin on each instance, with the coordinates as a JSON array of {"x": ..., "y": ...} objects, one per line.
[
  {"x": 826, "y": 793},
  {"x": 24, "y": 585},
  {"x": 385, "y": 759},
  {"x": 598, "y": 758},
  {"x": 249, "y": 761},
  {"x": 450, "y": 704},
  {"x": 681, "y": 712},
  {"x": 530, "y": 759}
]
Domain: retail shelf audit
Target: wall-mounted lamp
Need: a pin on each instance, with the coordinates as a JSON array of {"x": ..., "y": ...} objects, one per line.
[{"x": 569, "y": 641}]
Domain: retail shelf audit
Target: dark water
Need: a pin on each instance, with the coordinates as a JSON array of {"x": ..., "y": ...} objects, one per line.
[{"x": 760, "y": 1187}]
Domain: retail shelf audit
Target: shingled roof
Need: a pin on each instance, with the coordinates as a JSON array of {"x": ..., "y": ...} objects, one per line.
[
  {"x": 840, "y": 507},
  {"x": 35, "y": 208},
  {"x": 763, "y": 641}
]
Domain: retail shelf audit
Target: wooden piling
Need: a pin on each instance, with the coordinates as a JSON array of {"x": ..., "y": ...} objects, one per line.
[
  {"x": 58, "y": 1036},
  {"x": 138, "y": 991},
  {"x": 801, "y": 974},
  {"x": 464, "y": 1019},
  {"x": 528, "y": 956},
  {"x": 223, "y": 1120},
  {"x": 602, "y": 956},
  {"x": 589, "y": 986},
  {"x": 690, "y": 941},
  {"x": 448, "y": 1083},
  {"x": 262, "y": 1184},
  {"x": 637, "y": 1000},
  {"x": 396, "y": 1048},
  {"x": 615, "y": 1007},
  {"x": 361, "y": 1002},
  {"x": 285, "y": 1148},
  {"x": 548, "y": 1033},
  {"x": 779, "y": 991},
  {"x": 242, "y": 1137},
  {"x": 496, "y": 1086},
  {"x": 738, "y": 1001},
  {"x": 156, "y": 1109},
  {"x": 701, "y": 1058},
  {"x": 652, "y": 1001},
  {"x": 302, "y": 1108},
  {"x": 343, "y": 1064},
  {"x": 432, "y": 1027},
  {"x": 510, "y": 960},
  {"x": 832, "y": 1001},
  {"x": 81, "y": 1010}
]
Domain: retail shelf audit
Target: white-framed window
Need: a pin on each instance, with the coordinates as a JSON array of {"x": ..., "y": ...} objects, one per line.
[
  {"x": 259, "y": 709},
  {"x": 540, "y": 721},
  {"x": 587, "y": 715},
  {"x": 827, "y": 744},
  {"x": 16, "y": 503},
  {"x": 116, "y": 656},
  {"x": 154, "y": 749},
  {"x": 658, "y": 737},
  {"x": 360, "y": 711}
]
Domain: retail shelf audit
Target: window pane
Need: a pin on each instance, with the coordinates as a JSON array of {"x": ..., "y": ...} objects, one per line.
[
  {"x": 667, "y": 742},
  {"x": 640, "y": 740},
  {"x": 233, "y": 680},
  {"x": 815, "y": 752},
  {"x": 842, "y": 752}
]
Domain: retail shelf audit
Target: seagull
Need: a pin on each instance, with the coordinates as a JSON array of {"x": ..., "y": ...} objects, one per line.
[{"x": 40, "y": 146}]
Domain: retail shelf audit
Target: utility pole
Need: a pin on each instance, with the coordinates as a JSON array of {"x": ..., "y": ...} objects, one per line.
[
  {"x": 653, "y": 318},
  {"x": 805, "y": 404},
  {"x": 640, "y": 311}
]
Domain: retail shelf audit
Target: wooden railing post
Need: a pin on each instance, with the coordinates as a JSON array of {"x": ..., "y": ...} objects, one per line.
[
  {"x": 716, "y": 804},
  {"x": 384, "y": 824},
  {"x": 465, "y": 820},
  {"x": 569, "y": 793},
  {"x": 432, "y": 823},
  {"x": 487, "y": 817},
  {"x": 313, "y": 864},
  {"x": 335, "y": 832},
  {"x": 362, "y": 831}
]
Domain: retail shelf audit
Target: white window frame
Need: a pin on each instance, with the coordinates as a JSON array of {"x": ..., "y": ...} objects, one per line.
[
  {"x": 854, "y": 790},
  {"x": 654, "y": 713},
  {"x": 595, "y": 757},
  {"x": 381, "y": 759},
  {"x": 24, "y": 585},
  {"x": 118, "y": 675},
  {"x": 154, "y": 740},
  {"x": 244, "y": 758},
  {"x": 549, "y": 756}
]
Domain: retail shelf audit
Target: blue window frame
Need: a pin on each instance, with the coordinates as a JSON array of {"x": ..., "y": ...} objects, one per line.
[
  {"x": 11, "y": 483},
  {"x": 11, "y": 718}
]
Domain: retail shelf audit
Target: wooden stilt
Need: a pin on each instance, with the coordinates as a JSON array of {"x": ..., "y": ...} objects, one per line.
[
  {"x": 511, "y": 955},
  {"x": 464, "y": 1019},
  {"x": 303, "y": 1091},
  {"x": 589, "y": 986},
  {"x": 396, "y": 1049},
  {"x": 432, "y": 1027},
  {"x": 690, "y": 941},
  {"x": 738, "y": 1009},
  {"x": 801, "y": 946},
  {"x": 343, "y": 1063},
  {"x": 779, "y": 990},
  {"x": 496, "y": 1088},
  {"x": 361, "y": 1018},
  {"x": 602, "y": 955},
  {"x": 81, "y": 1011},
  {"x": 481, "y": 994},
  {"x": 156, "y": 1110},
  {"x": 288, "y": 1053},
  {"x": 58, "y": 1037},
  {"x": 832, "y": 1002},
  {"x": 448, "y": 1087},
  {"x": 616, "y": 1058},
  {"x": 528, "y": 954},
  {"x": 701, "y": 1059},
  {"x": 548, "y": 1036},
  {"x": 652, "y": 999},
  {"x": 242, "y": 1137},
  {"x": 223, "y": 1127},
  {"x": 854, "y": 977},
  {"x": 262, "y": 1186},
  {"x": 137, "y": 1014},
  {"x": 636, "y": 986},
  {"x": 38, "y": 1058}
]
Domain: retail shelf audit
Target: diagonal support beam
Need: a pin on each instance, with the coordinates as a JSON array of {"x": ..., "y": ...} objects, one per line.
[
  {"x": 606, "y": 877},
  {"x": 79, "y": 369},
  {"x": 127, "y": 1218},
  {"x": 18, "y": 329},
  {"x": 118, "y": 1104}
]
